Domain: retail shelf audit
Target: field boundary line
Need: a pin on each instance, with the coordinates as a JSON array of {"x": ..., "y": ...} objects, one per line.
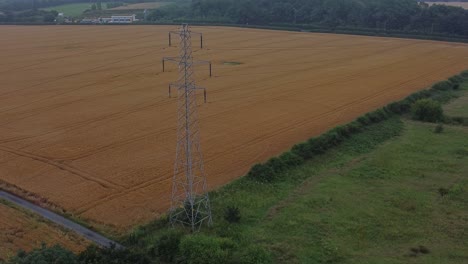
[{"x": 60, "y": 220}]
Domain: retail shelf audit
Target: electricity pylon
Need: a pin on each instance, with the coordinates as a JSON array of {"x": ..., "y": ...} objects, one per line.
[{"x": 190, "y": 204}]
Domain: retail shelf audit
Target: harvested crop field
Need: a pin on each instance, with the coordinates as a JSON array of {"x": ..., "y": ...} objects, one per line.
[
  {"x": 23, "y": 230},
  {"x": 85, "y": 120}
]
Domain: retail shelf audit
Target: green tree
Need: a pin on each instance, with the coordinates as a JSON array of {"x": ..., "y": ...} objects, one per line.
[
  {"x": 44, "y": 254},
  {"x": 427, "y": 110}
]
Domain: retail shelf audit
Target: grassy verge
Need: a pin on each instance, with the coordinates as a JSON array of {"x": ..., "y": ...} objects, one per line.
[
  {"x": 460, "y": 106},
  {"x": 381, "y": 208}
]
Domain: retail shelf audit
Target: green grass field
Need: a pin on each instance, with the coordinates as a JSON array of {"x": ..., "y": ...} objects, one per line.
[
  {"x": 72, "y": 10},
  {"x": 458, "y": 107},
  {"x": 395, "y": 193},
  {"x": 380, "y": 205}
]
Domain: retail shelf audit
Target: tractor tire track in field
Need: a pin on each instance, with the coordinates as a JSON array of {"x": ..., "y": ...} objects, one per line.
[
  {"x": 65, "y": 167},
  {"x": 262, "y": 138},
  {"x": 289, "y": 86}
]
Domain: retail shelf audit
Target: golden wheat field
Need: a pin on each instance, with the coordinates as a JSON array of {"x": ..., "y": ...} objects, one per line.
[
  {"x": 86, "y": 123},
  {"x": 23, "y": 230}
]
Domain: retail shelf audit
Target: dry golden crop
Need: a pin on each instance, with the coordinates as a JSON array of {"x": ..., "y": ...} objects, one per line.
[{"x": 85, "y": 120}]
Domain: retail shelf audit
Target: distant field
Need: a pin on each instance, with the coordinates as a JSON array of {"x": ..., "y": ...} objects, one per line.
[
  {"x": 460, "y": 4},
  {"x": 141, "y": 6},
  {"x": 86, "y": 123},
  {"x": 72, "y": 10},
  {"x": 26, "y": 231}
]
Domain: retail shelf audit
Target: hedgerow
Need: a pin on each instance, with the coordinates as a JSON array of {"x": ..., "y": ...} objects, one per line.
[{"x": 422, "y": 107}]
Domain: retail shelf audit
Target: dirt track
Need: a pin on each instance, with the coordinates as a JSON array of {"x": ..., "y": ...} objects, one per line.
[{"x": 86, "y": 123}]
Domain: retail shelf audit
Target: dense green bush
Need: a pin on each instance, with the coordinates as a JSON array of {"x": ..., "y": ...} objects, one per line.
[
  {"x": 167, "y": 246},
  {"x": 364, "y": 120},
  {"x": 44, "y": 254},
  {"x": 401, "y": 107},
  {"x": 277, "y": 165},
  {"x": 94, "y": 254},
  {"x": 456, "y": 79},
  {"x": 291, "y": 159},
  {"x": 302, "y": 150},
  {"x": 201, "y": 249},
  {"x": 464, "y": 74},
  {"x": 232, "y": 214},
  {"x": 427, "y": 110},
  {"x": 442, "y": 86},
  {"x": 261, "y": 172},
  {"x": 354, "y": 127}
]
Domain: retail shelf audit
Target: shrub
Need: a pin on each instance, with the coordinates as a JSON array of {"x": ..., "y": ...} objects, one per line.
[
  {"x": 464, "y": 74},
  {"x": 395, "y": 108},
  {"x": 424, "y": 250},
  {"x": 316, "y": 145},
  {"x": 330, "y": 139},
  {"x": 324, "y": 142},
  {"x": 302, "y": 150},
  {"x": 427, "y": 110},
  {"x": 253, "y": 255},
  {"x": 364, "y": 120},
  {"x": 261, "y": 172},
  {"x": 378, "y": 115},
  {"x": 167, "y": 246},
  {"x": 44, "y": 254},
  {"x": 442, "y": 86},
  {"x": 417, "y": 96},
  {"x": 94, "y": 254},
  {"x": 443, "y": 191},
  {"x": 354, "y": 127},
  {"x": 291, "y": 159},
  {"x": 456, "y": 79},
  {"x": 439, "y": 129},
  {"x": 277, "y": 165},
  {"x": 202, "y": 249},
  {"x": 232, "y": 214}
]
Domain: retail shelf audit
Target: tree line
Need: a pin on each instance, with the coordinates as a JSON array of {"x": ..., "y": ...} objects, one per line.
[
  {"x": 401, "y": 15},
  {"x": 21, "y": 5}
]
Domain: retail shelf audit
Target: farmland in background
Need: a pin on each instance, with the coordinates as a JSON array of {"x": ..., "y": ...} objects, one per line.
[{"x": 86, "y": 122}]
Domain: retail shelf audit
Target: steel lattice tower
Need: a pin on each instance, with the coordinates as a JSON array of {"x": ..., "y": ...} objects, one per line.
[{"x": 190, "y": 204}]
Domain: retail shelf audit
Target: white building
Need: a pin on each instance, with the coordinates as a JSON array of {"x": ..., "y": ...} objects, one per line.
[{"x": 123, "y": 19}]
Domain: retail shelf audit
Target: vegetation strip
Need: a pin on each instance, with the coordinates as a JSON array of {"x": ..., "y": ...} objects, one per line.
[{"x": 60, "y": 220}]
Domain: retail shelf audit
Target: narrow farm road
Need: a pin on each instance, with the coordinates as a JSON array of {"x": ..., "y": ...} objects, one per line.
[{"x": 60, "y": 220}]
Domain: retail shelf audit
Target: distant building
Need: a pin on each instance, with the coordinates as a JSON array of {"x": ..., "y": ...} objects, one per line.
[
  {"x": 123, "y": 19},
  {"x": 105, "y": 20},
  {"x": 89, "y": 21}
]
